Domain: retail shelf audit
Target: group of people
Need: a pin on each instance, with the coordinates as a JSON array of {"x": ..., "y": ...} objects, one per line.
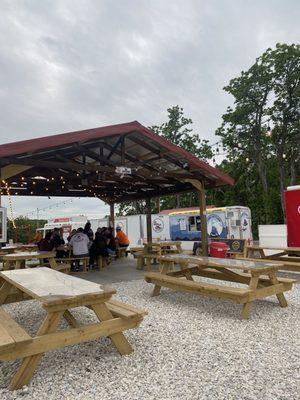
[{"x": 84, "y": 243}]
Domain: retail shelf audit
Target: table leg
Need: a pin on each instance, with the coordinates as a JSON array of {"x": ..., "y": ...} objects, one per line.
[
  {"x": 118, "y": 339},
  {"x": 148, "y": 264},
  {"x": 4, "y": 291},
  {"x": 71, "y": 320},
  {"x": 52, "y": 263},
  {"x": 280, "y": 296},
  {"x": 166, "y": 267},
  {"x": 247, "y": 306},
  {"x": 29, "y": 364},
  {"x": 187, "y": 272}
]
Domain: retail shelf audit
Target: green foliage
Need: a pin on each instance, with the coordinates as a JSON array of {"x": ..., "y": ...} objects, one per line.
[
  {"x": 24, "y": 230},
  {"x": 267, "y": 94},
  {"x": 178, "y": 131}
]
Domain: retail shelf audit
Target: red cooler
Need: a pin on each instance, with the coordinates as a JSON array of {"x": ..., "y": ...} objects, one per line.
[
  {"x": 292, "y": 209},
  {"x": 218, "y": 249}
]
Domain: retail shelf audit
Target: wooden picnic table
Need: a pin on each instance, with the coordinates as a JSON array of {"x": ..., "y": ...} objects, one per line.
[
  {"x": 18, "y": 260},
  {"x": 152, "y": 250},
  {"x": 250, "y": 250},
  {"x": 58, "y": 294},
  {"x": 260, "y": 279},
  {"x": 289, "y": 257},
  {"x": 12, "y": 248}
]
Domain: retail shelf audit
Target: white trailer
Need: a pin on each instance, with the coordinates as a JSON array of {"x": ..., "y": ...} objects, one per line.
[
  {"x": 135, "y": 227},
  {"x": 66, "y": 224}
]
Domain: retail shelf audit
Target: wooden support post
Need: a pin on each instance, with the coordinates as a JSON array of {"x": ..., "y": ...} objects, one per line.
[
  {"x": 149, "y": 222},
  {"x": 204, "y": 237},
  {"x": 112, "y": 216}
]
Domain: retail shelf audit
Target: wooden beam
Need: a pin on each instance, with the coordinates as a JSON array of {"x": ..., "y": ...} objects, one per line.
[
  {"x": 12, "y": 170},
  {"x": 149, "y": 222},
  {"x": 114, "y": 147},
  {"x": 112, "y": 216},
  {"x": 204, "y": 236}
]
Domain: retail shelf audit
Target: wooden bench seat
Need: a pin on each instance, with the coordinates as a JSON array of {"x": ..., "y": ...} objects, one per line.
[
  {"x": 123, "y": 310},
  {"x": 238, "y": 295},
  {"x": 11, "y": 333},
  {"x": 214, "y": 274},
  {"x": 66, "y": 268},
  {"x": 85, "y": 261}
]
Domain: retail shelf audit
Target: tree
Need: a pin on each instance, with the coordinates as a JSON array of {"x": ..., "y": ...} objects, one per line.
[
  {"x": 267, "y": 93},
  {"x": 284, "y": 64},
  {"x": 24, "y": 229},
  {"x": 178, "y": 131},
  {"x": 242, "y": 129}
]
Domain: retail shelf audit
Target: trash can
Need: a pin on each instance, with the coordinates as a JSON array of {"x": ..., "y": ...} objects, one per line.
[{"x": 218, "y": 249}]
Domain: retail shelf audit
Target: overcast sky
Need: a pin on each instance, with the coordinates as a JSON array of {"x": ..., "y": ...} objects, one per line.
[{"x": 70, "y": 65}]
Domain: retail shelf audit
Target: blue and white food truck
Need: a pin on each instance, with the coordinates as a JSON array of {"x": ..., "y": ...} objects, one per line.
[{"x": 226, "y": 224}]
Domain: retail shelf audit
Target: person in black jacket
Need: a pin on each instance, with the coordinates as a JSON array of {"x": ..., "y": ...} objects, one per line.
[{"x": 98, "y": 248}]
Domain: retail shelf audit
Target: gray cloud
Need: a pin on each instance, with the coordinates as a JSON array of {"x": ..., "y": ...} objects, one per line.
[{"x": 68, "y": 65}]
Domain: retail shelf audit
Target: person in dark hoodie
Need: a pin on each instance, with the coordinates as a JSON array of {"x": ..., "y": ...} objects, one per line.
[{"x": 98, "y": 248}]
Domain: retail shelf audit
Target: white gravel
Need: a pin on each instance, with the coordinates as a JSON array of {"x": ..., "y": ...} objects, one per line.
[{"x": 188, "y": 347}]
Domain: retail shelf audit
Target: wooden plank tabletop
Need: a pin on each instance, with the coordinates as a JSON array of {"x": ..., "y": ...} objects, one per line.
[
  {"x": 261, "y": 247},
  {"x": 17, "y": 246},
  {"x": 47, "y": 285},
  {"x": 220, "y": 262},
  {"x": 29, "y": 255}
]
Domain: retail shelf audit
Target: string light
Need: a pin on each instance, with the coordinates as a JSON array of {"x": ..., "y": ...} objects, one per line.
[{"x": 10, "y": 204}]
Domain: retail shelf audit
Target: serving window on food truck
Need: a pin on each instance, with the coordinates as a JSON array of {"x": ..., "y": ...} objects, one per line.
[{"x": 194, "y": 224}]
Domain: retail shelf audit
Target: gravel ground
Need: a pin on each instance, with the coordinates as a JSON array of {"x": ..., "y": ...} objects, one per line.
[{"x": 188, "y": 347}]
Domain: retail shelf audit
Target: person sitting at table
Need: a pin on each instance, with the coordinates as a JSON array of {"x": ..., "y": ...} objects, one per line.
[
  {"x": 121, "y": 238},
  {"x": 58, "y": 241},
  {"x": 111, "y": 242},
  {"x": 80, "y": 246},
  {"x": 89, "y": 232},
  {"x": 57, "y": 237},
  {"x": 73, "y": 232},
  {"x": 37, "y": 237},
  {"x": 99, "y": 248},
  {"x": 46, "y": 244}
]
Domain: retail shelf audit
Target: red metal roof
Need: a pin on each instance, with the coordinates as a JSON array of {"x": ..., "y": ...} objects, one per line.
[{"x": 34, "y": 145}]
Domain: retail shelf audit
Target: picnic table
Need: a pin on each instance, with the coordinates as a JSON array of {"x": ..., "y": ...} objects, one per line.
[
  {"x": 58, "y": 294},
  {"x": 281, "y": 251},
  {"x": 152, "y": 250},
  {"x": 18, "y": 260},
  {"x": 259, "y": 277},
  {"x": 12, "y": 248},
  {"x": 289, "y": 257}
]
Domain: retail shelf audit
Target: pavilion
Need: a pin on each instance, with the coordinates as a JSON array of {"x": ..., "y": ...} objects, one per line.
[{"x": 117, "y": 163}]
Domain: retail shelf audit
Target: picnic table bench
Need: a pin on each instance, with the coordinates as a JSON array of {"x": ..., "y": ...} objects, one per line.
[
  {"x": 18, "y": 260},
  {"x": 260, "y": 279},
  {"x": 58, "y": 294}
]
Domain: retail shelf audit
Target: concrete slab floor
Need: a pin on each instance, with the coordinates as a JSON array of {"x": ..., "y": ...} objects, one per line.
[{"x": 120, "y": 270}]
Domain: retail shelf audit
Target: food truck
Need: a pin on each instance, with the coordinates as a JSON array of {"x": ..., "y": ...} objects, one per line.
[{"x": 227, "y": 224}]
